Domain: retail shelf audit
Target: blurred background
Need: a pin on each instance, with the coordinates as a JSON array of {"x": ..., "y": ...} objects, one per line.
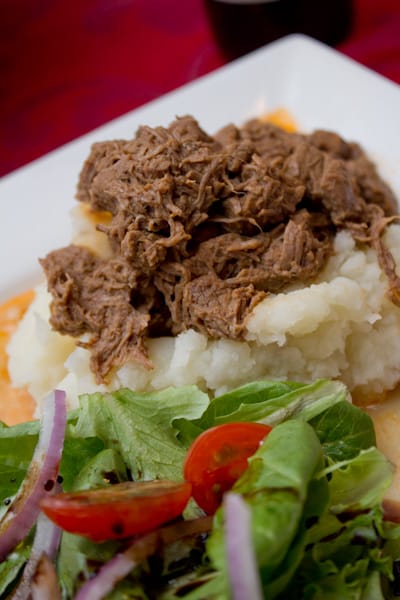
[{"x": 68, "y": 66}]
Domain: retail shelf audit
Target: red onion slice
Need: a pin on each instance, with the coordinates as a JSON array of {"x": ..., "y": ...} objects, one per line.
[
  {"x": 243, "y": 572},
  {"x": 46, "y": 542},
  {"x": 108, "y": 576},
  {"x": 122, "y": 564},
  {"x": 41, "y": 475}
]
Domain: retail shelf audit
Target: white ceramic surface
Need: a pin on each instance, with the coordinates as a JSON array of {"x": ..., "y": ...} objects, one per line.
[{"x": 317, "y": 85}]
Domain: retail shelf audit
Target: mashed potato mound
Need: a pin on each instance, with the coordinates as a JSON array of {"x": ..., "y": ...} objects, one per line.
[{"x": 342, "y": 326}]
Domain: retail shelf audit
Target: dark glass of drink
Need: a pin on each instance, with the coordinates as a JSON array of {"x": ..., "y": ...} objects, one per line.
[{"x": 244, "y": 25}]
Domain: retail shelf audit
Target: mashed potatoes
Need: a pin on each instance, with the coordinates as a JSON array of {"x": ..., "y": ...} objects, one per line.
[
  {"x": 252, "y": 209},
  {"x": 342, "y": 326}
]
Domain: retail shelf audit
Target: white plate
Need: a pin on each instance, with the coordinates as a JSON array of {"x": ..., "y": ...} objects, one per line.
[{"x": 318, "y": 86}]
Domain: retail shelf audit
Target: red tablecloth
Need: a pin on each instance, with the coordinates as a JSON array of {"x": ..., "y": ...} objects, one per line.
[{"x": 68, "y": 66}]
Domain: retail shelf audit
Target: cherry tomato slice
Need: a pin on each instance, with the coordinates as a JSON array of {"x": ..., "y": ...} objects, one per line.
[
  {"x": 218, "y": 457},
  {"x": 118, "y": 511}
]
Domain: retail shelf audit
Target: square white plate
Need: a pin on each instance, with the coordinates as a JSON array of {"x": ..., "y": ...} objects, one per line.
[{"x": 318, "y": 86}]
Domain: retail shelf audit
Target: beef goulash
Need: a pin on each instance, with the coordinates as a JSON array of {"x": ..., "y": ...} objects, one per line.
[{"x": 203, "y": 228}]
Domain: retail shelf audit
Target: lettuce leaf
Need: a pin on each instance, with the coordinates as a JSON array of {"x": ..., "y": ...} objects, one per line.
[
  {"x": 334, "y": 541},
  {"x": 344, "y": 430},
  {"x": 308, "y": 516},
  {"x": 17, "y": 445},
  {"x": 140, "y": 427},
  {"x": 275, "y": 486},
  {"x": 12, "y": 567},
  {"x": 267, "y": 402}
]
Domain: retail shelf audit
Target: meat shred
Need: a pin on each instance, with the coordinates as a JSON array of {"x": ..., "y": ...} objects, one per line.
[{"x": 203, "y": 228}]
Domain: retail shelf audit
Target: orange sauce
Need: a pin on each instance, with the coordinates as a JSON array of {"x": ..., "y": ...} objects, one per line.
[
  {"x": 281, "y": 118},
  {"x": 97, "y": 217},
  {"x": 16, "y": 404}
]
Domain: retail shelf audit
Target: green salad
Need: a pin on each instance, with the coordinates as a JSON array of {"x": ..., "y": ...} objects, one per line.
[{"x": 303, "y": 521}]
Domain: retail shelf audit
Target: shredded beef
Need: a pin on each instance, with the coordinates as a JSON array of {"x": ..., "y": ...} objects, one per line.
[
  {"x": 203, "y": 228},
  {"x": 93, "y": 295}
]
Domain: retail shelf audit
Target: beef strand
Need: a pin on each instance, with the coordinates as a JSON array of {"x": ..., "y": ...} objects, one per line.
[{"x": 203, "y": 228}]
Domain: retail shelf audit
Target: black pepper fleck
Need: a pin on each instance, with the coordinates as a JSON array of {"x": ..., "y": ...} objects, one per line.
[
  {"x": 48, "y": 486},
  {"x": 117, "y": 528}
]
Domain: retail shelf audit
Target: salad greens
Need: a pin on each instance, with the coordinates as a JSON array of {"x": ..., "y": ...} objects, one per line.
[
  {"x": 339, "y": 554},
  {"x": 276, "y": 488},
  {"x": 314, "y": 489}
]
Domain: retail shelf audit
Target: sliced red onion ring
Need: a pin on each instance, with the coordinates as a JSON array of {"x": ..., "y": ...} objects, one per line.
[
  {"x": 242, "y": 565},
  {"x": 41, "y": 475},
  {"x": 104, "y": 582},
  {"x": 122, "y": 564},
  {"x": 46, "y": 542}
]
